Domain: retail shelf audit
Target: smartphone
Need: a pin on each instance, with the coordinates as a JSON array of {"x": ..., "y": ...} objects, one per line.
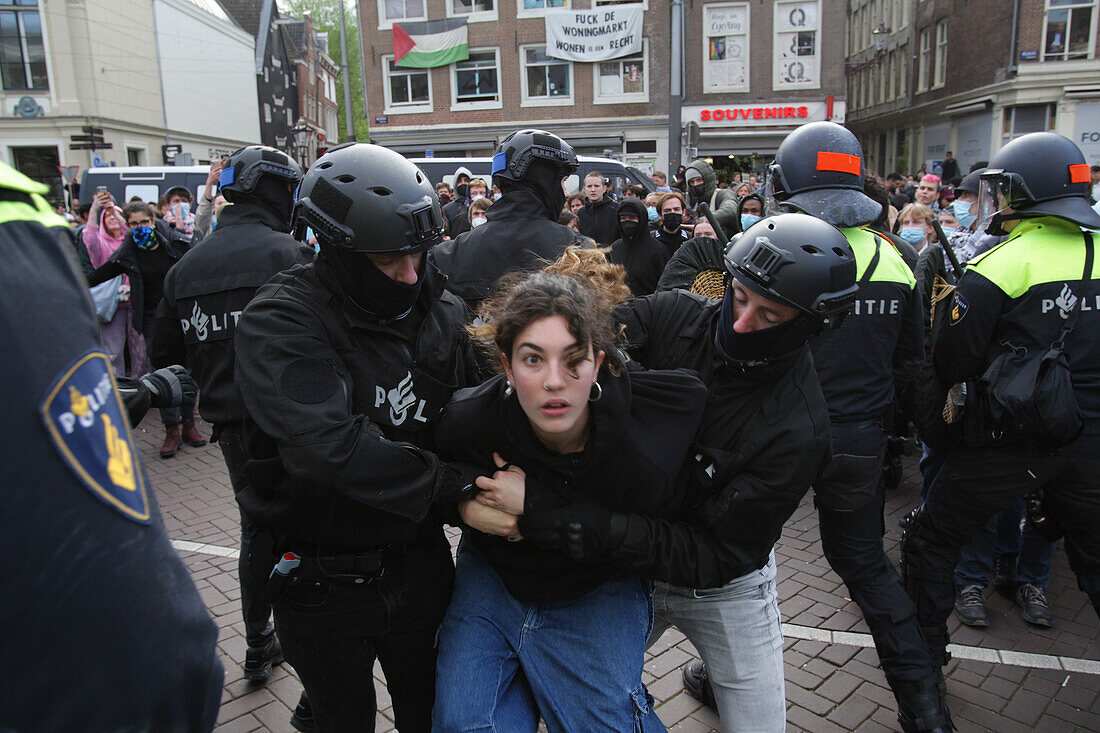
[{"x": 101, "y": 189}]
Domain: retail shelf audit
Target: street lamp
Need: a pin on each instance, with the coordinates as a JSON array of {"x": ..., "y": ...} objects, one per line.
[{"x": 301, "y": 132}]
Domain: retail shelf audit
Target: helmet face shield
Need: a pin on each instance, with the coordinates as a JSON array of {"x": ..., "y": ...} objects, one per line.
[
  {"x": 993, "y": 198},
  {"x": 773, "y": 183}
]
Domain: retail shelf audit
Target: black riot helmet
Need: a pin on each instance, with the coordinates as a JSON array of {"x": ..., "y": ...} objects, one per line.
[
  {"x": 818, "y": 170},
  {"x": 535, "y": 161},
  {"x": 368, "y": 199},
  {"x": 245, "y": 168},
  {"x": 1038, "y": 174},
  {"x": 799, "y": 261},
  {"x": 516, "y": 153}
]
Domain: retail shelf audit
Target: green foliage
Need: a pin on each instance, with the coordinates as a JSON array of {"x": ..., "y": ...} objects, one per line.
[{"x": 326, "y": 18}]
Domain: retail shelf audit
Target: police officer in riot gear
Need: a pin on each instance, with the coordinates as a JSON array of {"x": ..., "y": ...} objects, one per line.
[
  {"x": 1036, "y": 292},
  {"x": 343, "y": 366},
  {"x": 873, "y": 356},
  {"x": 762, "y": 442},
  {"x": 103, "y": 627},
  {"x": 522, "y": 231},
  {"x": 204, "y": 295}
]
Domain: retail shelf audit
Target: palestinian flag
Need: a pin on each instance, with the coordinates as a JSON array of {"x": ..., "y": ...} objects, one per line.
[{"x": 431, "y": 43}]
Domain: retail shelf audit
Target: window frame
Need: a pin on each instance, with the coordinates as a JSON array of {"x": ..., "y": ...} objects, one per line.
[
  {"x": 609, "y": 3},
  {"x": 924, "y": 57},
  {"x": 478, "y": 16},
  {"x": 385, "y": 23},
  {"x": 522, "y": 12},
  {"x": 713, "y": 89},
  {"x": 627, "y": 98},
  {"x": 459, "y": 106},
  {"x": 939, "y": 59},
  {"x": 1069, "y": 6},
  {"x": 544, "y": 101},
  {"x": 388, "y": 106},
  {"x": 815, "y": 81},
  {"x": 20, "y": 12}
]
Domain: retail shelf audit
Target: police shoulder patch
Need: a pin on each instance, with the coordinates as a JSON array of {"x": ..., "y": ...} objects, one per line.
[
  {"x": 87, "y": 422},
  {"x": 959, "y": 307}
]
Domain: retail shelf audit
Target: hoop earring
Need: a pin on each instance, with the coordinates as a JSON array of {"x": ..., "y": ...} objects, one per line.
[
  {"x": 508, "y": 390},
  {"x": 599, "y": 392}
]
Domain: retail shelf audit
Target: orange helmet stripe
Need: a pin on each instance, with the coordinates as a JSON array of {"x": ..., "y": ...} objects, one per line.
[
  {"x": 1079, "y": 173},
  {"x": 839, "y": 162}
]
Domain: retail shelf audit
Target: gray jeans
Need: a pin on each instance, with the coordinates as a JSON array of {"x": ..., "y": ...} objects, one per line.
[{"x": 736, "y": 630}]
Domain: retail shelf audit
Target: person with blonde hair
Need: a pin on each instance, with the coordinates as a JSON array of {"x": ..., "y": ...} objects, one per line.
[{"x": 915, "y": 222}]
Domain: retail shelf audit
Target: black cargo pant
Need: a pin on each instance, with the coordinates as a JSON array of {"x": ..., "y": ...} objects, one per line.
[
  {"x": 850, "y": 497},
  {"x": 252, "y": 572},
  {"x": 973, "y": 485},
  {"x": 333, "y": 631}
]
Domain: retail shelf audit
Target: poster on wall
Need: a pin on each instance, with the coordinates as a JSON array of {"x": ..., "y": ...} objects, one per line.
[
  {"x": 726, "y": 47},
  {"x": 594, "y": 35},
  {"x": 797, "y": 58},
  {"x": 1087, "y": 134}
]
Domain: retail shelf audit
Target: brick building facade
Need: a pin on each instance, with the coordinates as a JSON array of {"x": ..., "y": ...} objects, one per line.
[
  {"x": 929, "y": 76},
  {"x": 316, "y": 75}
]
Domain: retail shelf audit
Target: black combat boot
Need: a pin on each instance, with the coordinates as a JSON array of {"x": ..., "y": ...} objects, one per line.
[
  {"x": 697, "y": 683},
  {"x": 922, "y": 706}
]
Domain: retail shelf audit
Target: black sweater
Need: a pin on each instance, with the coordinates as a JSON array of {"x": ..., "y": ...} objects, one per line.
[{"x": 641, "y": 430}]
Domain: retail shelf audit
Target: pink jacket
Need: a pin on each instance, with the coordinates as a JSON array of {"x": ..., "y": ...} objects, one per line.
[{"x": 100, "y": 244}]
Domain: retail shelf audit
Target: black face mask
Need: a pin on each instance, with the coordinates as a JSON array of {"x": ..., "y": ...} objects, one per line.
[
  {"x": 276, "y": 196},
  {"x": 629, "y": 228},
  {"x": 766, "y": 344},
  {"x": 672, "y": 222},
  {"x": 370, "y": 288},
  {"x": 463, "y": 190},
  {"x": 698, "y": 193}
]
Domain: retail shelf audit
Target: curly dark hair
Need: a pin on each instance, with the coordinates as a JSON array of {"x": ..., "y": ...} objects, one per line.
[{"x": 581, "y": 287}]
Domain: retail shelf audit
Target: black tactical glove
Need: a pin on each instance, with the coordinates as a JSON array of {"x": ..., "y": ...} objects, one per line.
[
  {"x": 581, "y": 531},
  {"x": 171, "y": 386}
]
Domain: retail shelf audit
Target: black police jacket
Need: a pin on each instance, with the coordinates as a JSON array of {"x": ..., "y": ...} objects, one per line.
[
  {"x": 517, "y": 236},
  {"x": 642, "y": 427},
  {"x": 205, "y": 294},
  {"x": 880, "y": 343},
  {"x": 1020, "y": 293},
  {"x": 341, "y": 409},
  {"x": 764, "y": 439},
  {"x": 600, "y": 220},
  {"x": 103, "y": 627}
]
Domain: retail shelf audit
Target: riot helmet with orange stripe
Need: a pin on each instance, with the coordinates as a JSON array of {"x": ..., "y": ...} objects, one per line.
[
  {"x": 1038, "y": 174},
  {"x": 818, "y": 170}
]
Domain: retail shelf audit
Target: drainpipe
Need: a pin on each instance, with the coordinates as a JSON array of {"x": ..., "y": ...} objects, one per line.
[
  {"x": 675, "y": 83},
  {"x": 1012, "y": 66}
]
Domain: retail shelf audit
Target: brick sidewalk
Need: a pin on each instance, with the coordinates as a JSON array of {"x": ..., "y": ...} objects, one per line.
[{"x": 830, "y": 686}]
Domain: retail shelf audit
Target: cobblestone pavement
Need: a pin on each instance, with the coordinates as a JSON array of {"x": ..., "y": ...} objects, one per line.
[{"x": 1013, "y": 678}]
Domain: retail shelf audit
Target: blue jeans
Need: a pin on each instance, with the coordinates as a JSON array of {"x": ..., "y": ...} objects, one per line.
[
  {"x": 736, "y": 630},
  {"x": 1002, "y": 537},
  {"x": 577, "y": 663}
]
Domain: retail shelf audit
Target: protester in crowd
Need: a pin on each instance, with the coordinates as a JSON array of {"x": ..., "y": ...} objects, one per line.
[
  {"x": 177, "y": 210},
  {"x": 678, "y": 181},
  {"x": 477, "y": 210},
  {"x": 609, "y": 190},
  {"x": 147, "y": 253},
  {"x": 742, "y": 190},
  {"x": 915, "y": 226},
  {"x": 598, "y": 217},
  {"x": 575, "y": 202},
  {"x": 949, "y": 168},
  {"x": 750, "y": 210},
  {"x": 565, "y": 413},
  {"x": 346, "y": 481},
  {"x": 702, "y": 188},
  {"x": 458, "y": 220},
  {"x": 444, "y": 192},
  {"x": 928, "y": 192},
  {"x": 895, "y": 185},
  {"x": 205, "y": 219},
  {"x": 101, "y": 238},
  {"x": 660, "y": 180},
  {"x": 670, "y": 213},
  {"x": 570, "y": 220},
  {"x": 641, "y": 254},
  {"x": 634, "y": 191},
  {"x": 522, "y": 231}
]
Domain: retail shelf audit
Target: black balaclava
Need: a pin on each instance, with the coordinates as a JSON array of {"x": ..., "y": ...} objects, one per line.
[
  {"x": 633, "y": 231},
  {"x": 763, "y": 346},
  {"x": 371, "y": 289},
  {"x": 541, "y": 179},
  {"x": 275, "y": 195}
]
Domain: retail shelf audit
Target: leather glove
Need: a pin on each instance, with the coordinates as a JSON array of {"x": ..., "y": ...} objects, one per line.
[
  {"x": 171, "y": 386},
  {"x": 581, "y": 531}
]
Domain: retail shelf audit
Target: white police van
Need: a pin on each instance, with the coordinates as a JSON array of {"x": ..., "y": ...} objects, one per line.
[
  {"x": 148, "y": 183},
  {"x": 621, "y": 176}
]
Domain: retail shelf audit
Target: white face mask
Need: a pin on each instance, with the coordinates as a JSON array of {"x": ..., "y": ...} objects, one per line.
[{"x": 477, "y": 221}]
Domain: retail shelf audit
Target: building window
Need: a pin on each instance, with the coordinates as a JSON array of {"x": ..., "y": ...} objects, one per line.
[
  {"x": 289, "y": 117},
  {"x": 530, "y": 8},
  {"x": 903, "y": 70},
  {"x": 604, "y": 3},
  {"x": 267, "y": 113},
  {"x": 267, "y": 80},
  {"x": 475, "y": 82},
  {"x": 726, "y": 49},
  {"x": 924, "y": 59},
  {"x": 1069, "y": 30},
  {"x": 22, "y": 55},
  {"x": 391, "y": 11},
  {"x": 546, "y": 80},
  {"x": 623, "y": 79},
  {"x": 406, "y": 90},
  {"x": 474, "y": 10},
  {"x": 1029, "y": 118},
  {"x": 797, "y": 61},
  {"x": 40, "y": 164},
  {"x": 939, "y": 78}
]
